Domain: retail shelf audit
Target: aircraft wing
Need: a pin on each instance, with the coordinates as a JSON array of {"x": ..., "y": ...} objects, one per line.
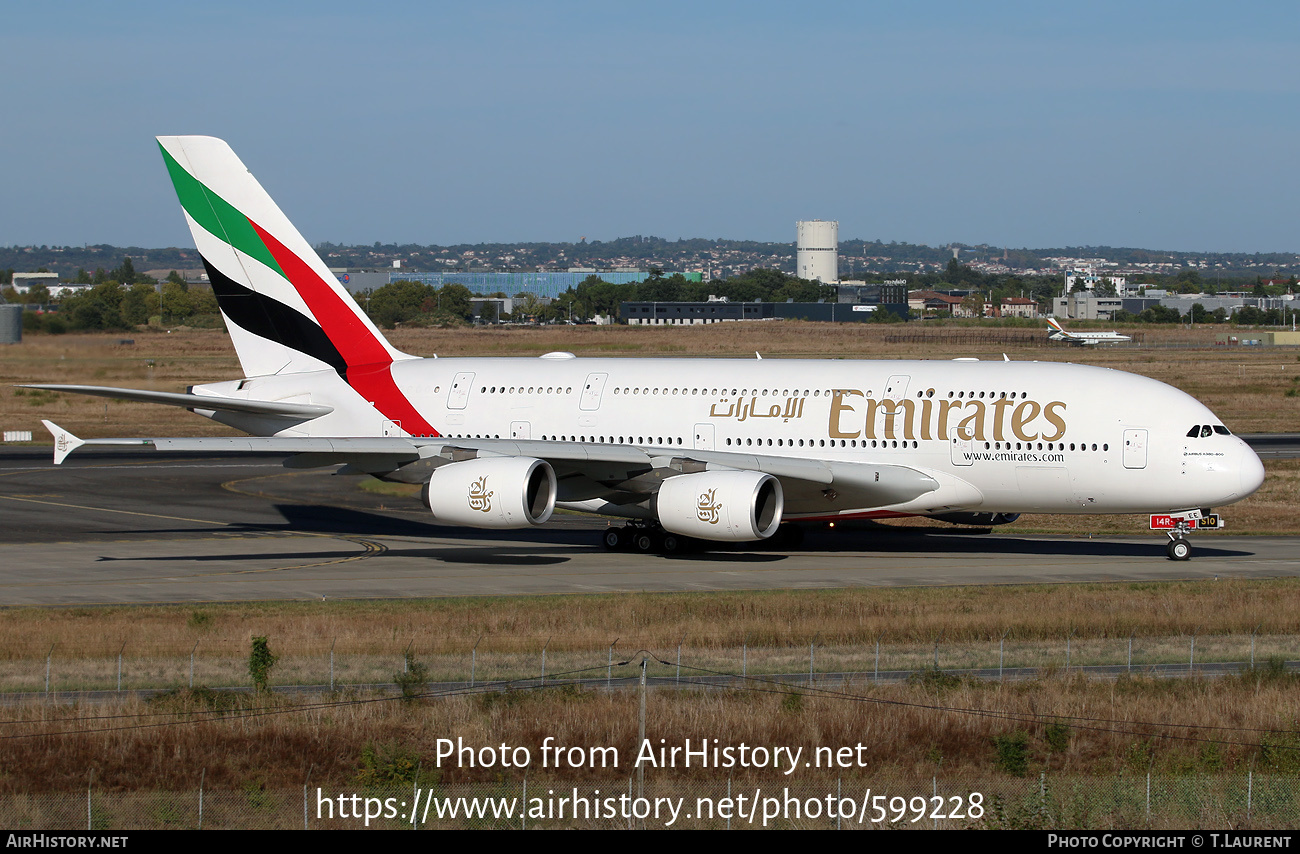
[
  {"x": 616, "y": 474},
  {"x": 300, "y": 411}
]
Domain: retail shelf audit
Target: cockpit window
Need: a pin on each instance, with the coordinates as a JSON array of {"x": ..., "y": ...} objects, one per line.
[
  {"x": 1206, "y": 431},
  {"x": 1194, "y": 432},
  {"x": 1221, "y": 430}
]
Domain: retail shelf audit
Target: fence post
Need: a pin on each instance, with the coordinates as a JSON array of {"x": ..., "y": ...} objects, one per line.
[
  {"x": 119, "y": 665},
  {"x": 544, "y": 646},
  {"x": 47, "y": 669},
  {"x": 839, "y": 799},
  {"x": 192, "y": 651},
  {"x": 305, "y": 783},
  {"x": 678, "y": 680},
  {"x": 1250, "y": 785},
  {"x": 332, "y": 645},
  {"x": 609, "y": 668},
  {"x": 1148, "y": 795},
  {"x": 473, "y": 661}
]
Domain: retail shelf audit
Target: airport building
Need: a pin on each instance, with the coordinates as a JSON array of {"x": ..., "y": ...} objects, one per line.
[
  {"x": 724, "y": 311},
  {"x": 541, "y": 284}
]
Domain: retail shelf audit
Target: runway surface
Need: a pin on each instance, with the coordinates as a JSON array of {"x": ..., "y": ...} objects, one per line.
[{"x": 132, "y": 526}]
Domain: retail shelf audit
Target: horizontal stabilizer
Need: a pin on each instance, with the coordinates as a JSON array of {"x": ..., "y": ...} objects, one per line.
[
  {"x": 65, "y": 443},
  {"x": 302, "y": 411}
]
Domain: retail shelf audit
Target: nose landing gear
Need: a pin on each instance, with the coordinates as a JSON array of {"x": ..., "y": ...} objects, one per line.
[
  {"x": 1179, "y": 548},
  {"x": 1178, "y": 525}
]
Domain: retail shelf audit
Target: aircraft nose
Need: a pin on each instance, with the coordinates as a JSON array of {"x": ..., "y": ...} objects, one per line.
[{"x": 1250, "y": 470}]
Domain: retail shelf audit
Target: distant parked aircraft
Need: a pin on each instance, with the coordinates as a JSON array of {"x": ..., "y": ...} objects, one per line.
[{"x": 1057, "y": 332}]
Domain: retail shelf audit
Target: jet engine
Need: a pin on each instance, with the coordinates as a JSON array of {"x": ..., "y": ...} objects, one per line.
[
  {"x": 721, "y": 505},
  {"x": 492, "y": 492}
]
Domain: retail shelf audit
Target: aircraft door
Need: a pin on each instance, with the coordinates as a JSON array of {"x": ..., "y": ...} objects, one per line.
[
  {"x": 521, "y": 430},
  {"x": 392, "y": 428},
  {"x": 896, "y": 387},
  {"x": 592, "y": 389},
  {"x": 458, "y": 396},
  {"x": 1135, "y": 449},
  {"x": 961, "y": 449},
  {"x": 704, "y": 437}
]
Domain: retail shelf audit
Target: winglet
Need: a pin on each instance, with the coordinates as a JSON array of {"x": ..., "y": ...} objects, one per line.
[{"x": 64, "y": 442}]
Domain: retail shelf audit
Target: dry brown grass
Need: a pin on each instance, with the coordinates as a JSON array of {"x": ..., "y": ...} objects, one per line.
[
  {"x": 1115, "y": 727},
  {"x": 587, "y": 625}
]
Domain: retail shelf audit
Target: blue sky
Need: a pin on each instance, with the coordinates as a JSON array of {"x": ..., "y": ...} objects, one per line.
[{"x": 1161, "y": 125}]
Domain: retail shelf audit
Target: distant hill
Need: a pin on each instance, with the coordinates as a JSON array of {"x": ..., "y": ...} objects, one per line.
[{"x": 726, "y": 257}]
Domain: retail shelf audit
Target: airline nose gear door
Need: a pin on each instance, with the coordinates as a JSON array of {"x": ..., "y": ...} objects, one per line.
[
  {"x": 460, "y": 387},
  {"x": 1135, "y": 449},
  {"x": 592, "y": 390},
  {"x": 704, "y": 437}
]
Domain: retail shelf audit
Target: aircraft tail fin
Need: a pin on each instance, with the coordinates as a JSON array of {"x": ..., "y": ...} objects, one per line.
[{"x": 285, "y": 311}]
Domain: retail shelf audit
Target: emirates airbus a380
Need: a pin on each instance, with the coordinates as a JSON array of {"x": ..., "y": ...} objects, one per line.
[{"x": 720, "y": 450}]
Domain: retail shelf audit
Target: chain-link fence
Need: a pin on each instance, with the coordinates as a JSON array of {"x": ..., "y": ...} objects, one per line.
[
  {"x": 1242, "y": 802},
  {"x": 81, "y": 665}
]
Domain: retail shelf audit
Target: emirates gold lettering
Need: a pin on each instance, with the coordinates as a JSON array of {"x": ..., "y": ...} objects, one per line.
[
  {"x": 479, "y": 497},
  {"x": 1024, "y": 413},
  {"x": 1056, "y": 420},
  {"x": 838, "y": 407},
  {"x": 998, "y": 409},
  {"x": 889, "y": 409},
  {"x": 975, "y": 420}
]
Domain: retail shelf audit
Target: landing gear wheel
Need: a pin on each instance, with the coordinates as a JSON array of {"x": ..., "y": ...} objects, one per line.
[
  {"x": 1179, "y": 548},
  {"x": 672, "y": 544},
  {"x": 643, "y": 541},
  {"x": 614, "y": 539}
]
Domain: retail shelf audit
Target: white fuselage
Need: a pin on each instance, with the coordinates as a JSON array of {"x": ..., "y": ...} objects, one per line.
[{"x": 1006, "y": 437}]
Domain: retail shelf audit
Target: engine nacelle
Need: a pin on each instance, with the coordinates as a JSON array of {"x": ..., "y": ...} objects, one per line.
[
  {"x": 492, "y": 492},
  {"x": 721, "y": 505}
]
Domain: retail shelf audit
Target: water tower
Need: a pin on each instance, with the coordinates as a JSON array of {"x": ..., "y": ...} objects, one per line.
[{"x": 817, "y": 253}]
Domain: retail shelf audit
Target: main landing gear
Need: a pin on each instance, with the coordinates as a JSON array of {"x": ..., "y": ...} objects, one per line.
[{"x": 646, "y": 539}]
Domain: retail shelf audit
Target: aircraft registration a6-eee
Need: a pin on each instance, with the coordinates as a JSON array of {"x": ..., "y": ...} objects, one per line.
[{"x": 720, "y": 450}]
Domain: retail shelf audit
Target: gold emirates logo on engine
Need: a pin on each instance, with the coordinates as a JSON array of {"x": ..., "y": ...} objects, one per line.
[
  {"x": 479, "y": 497},
  {"x": 705, "y": 509}
]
